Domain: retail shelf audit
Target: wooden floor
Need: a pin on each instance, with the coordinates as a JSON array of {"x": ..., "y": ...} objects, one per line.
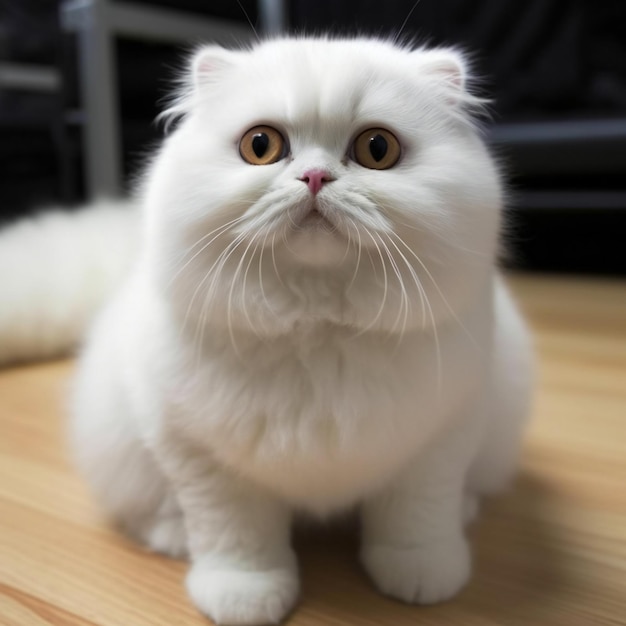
[{"x": 553, "y": 551}]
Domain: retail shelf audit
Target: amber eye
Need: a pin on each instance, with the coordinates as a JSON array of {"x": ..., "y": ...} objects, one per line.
[
  {"x": 262, "y": 145},
  {"x": 376, "y": 148}
]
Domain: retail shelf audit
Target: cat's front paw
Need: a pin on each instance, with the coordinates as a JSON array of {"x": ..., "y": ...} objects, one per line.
[
  {"x": 237, "y": 597},
  {"x": 422, "y": 575}
]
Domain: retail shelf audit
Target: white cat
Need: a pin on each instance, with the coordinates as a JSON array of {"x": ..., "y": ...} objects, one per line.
[{"x": 314, "y": 321}]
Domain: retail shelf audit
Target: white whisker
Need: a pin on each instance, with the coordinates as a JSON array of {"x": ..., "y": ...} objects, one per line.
[
  {"x": 209, "y": 296},
  {"x": 348, "y": 245},
  {"x": 223, "y": 228},
  {"x": 385, "y": 288},
  {"x": 416, "y": 280},
  {"x": 436, "y": 286},
  {"x": 261, "y": 283},
  {"x": 280, "y": 280},
  {"x": 239, "y": 241},
  {"x": 403, "y": 307},
  {"x": 425, "y": 303},
  {"x": 207, "y": 275},
  {"x": 245, "y": 279},
  {"x": 433, "y": 231},
  {"x": 358, "y": 258}
]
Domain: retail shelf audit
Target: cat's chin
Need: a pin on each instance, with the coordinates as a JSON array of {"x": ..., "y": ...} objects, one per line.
[
  {"x": 315, "y": 220},
  {"x": 317, "y": 243}
]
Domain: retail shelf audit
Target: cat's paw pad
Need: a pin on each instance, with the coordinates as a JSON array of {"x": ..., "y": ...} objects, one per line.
[
  {"x": 242, "y": 597},
  {"x": 420, "y": 575}
]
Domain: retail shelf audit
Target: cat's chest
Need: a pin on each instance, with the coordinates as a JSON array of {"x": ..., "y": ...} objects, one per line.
[{"x": 324, "y": 421}]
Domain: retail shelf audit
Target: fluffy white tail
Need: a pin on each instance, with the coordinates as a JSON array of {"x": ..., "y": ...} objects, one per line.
[{"x": 56, "y": 270}]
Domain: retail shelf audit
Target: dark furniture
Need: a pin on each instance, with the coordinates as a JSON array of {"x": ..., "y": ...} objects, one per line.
[{"x": 556, "y": 69}]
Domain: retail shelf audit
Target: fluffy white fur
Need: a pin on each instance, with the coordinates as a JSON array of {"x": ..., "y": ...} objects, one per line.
[{"x": 255, "y": 363}]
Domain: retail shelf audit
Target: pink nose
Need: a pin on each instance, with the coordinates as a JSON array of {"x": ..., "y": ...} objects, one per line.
[{"x": 315, "y": 179}]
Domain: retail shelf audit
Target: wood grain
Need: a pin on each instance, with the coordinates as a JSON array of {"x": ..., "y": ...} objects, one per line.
[{"x": 550, "y": 552}]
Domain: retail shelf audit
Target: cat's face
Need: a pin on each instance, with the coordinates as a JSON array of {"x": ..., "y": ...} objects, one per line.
[{"x": 348, "y": 161}]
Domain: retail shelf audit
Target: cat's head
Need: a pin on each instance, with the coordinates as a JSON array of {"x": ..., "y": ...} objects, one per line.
[{"x": 306, "y": 163}]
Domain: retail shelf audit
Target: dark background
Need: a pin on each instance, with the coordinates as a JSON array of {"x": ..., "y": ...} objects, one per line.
[{"x": 556, "y": 70}]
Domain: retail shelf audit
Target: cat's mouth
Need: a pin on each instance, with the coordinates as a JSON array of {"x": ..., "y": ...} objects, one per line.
[
  {"x": 314, "y": 220},
  {"x": 314, "y": 238}
]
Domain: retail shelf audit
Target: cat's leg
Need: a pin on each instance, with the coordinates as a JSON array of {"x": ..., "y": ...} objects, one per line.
[
  {"x": 106, "y": 439},
  {"x": 123, "y": 473},
  {"x": 243, "y": 569},
  {"x": 508, "y": 405},
  {"x": 413, "y": 543}
]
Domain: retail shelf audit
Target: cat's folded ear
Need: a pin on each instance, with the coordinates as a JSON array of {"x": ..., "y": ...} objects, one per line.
[
  {"x": 446, "y": 65},
  {"x": 209, "y": 63},
  {"x": 205, "y": 68},
  {"x": 447, "y": 70}
]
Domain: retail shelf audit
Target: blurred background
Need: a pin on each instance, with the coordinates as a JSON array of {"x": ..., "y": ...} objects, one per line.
[{"x": 81, "y": 82}]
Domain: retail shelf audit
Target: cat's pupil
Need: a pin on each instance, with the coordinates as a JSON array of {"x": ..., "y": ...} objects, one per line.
[
  {"x": 260, "y": 143},
  {"x": 378, "y": 147}
]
